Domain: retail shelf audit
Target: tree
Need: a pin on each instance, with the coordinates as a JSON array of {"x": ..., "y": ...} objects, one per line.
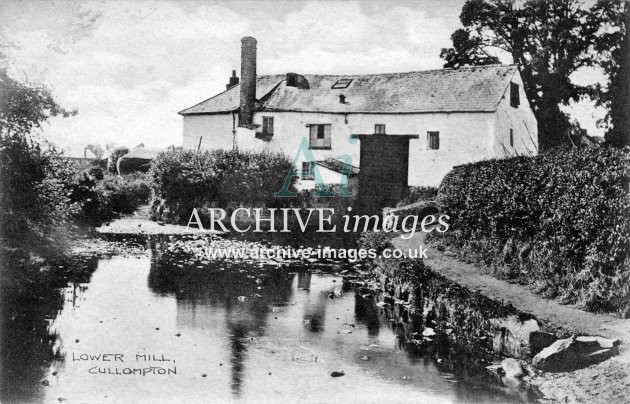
[
  {"x": 613, "y": 50},
  {"x": 548, "y": 40},
  {"x": 34, "y": 192}
]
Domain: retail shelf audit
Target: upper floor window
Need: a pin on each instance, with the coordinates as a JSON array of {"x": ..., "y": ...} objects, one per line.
[
  {"x": 267, "y": 126},
  {"x": 320, "y": 137},
  {"x": 433, "y": 140},
  {"x": 515, "y": 98},
  {"x": 379, "y": 129},
  {"x": 511, "y": 137}
]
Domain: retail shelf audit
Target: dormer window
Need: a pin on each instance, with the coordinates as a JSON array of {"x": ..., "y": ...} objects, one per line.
[
  {"x": 341, "y": 83},
  {"x": 515, "y": 99}
]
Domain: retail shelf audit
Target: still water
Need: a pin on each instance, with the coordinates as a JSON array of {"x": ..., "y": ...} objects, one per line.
[{"x": 221, "y": 333}]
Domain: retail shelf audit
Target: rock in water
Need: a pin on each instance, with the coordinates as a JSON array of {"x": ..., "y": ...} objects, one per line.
[
  {"x": 512, "y": 368},
  {"x": 428, "y": 332},
  {"x": 337, "y": 373},
  {"x": 573, "y": 353}
]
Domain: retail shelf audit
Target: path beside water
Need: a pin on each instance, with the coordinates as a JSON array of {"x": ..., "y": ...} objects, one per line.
[{"x": 606, "y": 382}]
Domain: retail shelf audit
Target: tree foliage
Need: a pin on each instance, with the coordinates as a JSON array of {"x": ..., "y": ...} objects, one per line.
[
  {"x": 613, "y": 50},
  {"x": 549, "y": 41},
  {"x": 35, "y": 196}
]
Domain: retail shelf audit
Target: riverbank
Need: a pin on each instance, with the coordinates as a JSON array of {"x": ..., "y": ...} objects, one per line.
[
  {"x": 608, "y": 381},
  {"x": 139, "y": 223}
]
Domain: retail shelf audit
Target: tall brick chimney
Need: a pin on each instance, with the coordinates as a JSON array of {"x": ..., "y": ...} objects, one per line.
[{"x": 248, "y": 81}]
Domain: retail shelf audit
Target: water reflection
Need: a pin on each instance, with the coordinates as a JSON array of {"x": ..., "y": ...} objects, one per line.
[
  {"x": 29, "y": 301},
  {"x": 248, "y": 332}
]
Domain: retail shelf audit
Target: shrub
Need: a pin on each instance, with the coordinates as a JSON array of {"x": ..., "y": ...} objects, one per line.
[
  {"x": 35, "y": 196},
  {"x": 184, "y": 179},
  {"x": 378, "y": 241},
  {"x": 104, "y": 199},
  {"x": 559, "y": 221},
  {"x": 418, "y": 194}
]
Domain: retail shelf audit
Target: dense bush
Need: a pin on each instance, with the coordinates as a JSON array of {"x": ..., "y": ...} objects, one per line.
[
  {"x": 35, "y": 195},
  {"x": 377, "y": 241},
  {"x": 559, "y": 221},
  {"x": 104, "y": 197},
  {"x": 184, "y": 179},
  {"x": 418, "y": 194}
]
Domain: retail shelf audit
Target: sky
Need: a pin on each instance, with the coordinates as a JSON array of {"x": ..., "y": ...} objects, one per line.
[{"x": 128, "y": 67}]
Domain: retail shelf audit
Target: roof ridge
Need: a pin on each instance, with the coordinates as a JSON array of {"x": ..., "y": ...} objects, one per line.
[
  {"x": 393, "y": 73},
  {"x": 466, "y": 89}
]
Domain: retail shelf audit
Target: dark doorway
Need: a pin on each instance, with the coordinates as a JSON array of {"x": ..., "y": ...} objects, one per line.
[{"x": 383, "y": 171}]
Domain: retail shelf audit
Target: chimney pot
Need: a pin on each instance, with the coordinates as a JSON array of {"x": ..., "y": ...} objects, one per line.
[
  {"x": 342, "y": 99},
  {"x": 292, "y": 80},
  {"x": 233, "y": 80}
]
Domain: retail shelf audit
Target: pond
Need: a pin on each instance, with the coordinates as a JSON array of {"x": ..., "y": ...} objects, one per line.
[{"x": 160, "y": 327}]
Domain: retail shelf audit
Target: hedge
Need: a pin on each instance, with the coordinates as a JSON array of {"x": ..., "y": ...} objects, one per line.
[
  {"x": 558, "y": 221},
  {"x": 103, "y": 197},
  {"x": 184, "y": 179}
]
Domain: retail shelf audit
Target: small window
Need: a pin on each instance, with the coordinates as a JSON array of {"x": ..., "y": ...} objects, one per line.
[
  {"x": 433, "y": 140},
  {"x": 379, "y": 129},
  {"x": 511, "y": 137},
  {"x": 307, "y": 170},
  {"x": 341, "y": 83},
  {"x": 320, "y": 137},
  {"x": 267, "y": 128},
  {"x": 515, "y": 99}
]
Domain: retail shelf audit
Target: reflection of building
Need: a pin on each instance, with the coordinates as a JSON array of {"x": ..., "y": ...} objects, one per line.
[
  {"x": 304, "y": 280},
  {"x": 462, "y": 115},
  {"x": 208, "y": 299}
]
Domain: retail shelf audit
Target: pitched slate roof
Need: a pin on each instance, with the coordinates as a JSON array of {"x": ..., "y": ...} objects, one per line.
[
  {"x": 467, "y": 89},
  {"x": 338, "y": 166}
]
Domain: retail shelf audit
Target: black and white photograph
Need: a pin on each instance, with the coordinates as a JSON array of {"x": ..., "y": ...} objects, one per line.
[{"x": 314, "y": 201}]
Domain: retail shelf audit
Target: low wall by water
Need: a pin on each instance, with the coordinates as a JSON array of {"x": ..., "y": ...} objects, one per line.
[{"x": 434, "y": 312}]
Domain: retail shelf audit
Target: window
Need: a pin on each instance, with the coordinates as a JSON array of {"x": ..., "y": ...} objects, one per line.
[
  {"x": 515, "y": 99},
  {"x": 267, "y": 127},
  {"x": 379, "y": 129},
  {"x": 320, "y": 137},
  {"x": 433, "y": 140},
  {"x": 511, "y": 137},
  {"x": 341, "y": 83},
  {"x": 307, "y": 170}
]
